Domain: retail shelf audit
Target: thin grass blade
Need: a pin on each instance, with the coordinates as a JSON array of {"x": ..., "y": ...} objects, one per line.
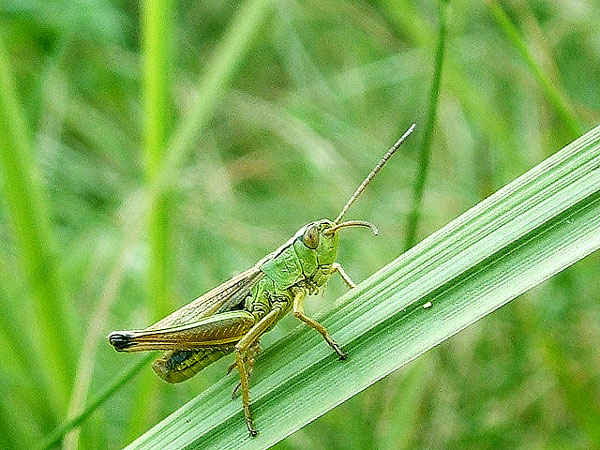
[{"x": 24, "y": 195}]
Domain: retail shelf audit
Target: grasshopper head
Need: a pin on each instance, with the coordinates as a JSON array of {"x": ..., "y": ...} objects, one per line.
[{"x": 322, "y": 237}]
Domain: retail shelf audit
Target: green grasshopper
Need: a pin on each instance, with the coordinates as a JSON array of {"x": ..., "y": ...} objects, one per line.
[{"x": 233, "y": 316}]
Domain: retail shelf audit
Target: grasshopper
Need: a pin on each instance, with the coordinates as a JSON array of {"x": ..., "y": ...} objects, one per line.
[{"x": 233, "y": 316}]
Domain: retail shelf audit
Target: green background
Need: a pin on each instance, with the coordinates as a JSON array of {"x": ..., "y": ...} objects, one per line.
[{"x": 307, "y": 98}]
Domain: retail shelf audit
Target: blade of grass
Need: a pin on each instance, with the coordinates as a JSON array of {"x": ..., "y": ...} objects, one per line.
[
  {"x": 479, "y": 108},
  {"x": 538, "y": 225},
  {"x": 56, "y": 435},
  {"x": 20, "y": 355},
  {"x": 94, "y": 337},
  {"x": 25, "y": 198},
  {"x": 555, "y": 98},
  {"x": 425, "y": 150},
  {"x": 157, "y": 29},
  {"x": 417, "y": 375},
  {"x": 13, "y": 330},
  {"x": 219, "y": 73},
  {"x": 414, "y": 216},
  {"x": 234, "y": 46},
  {"x": 17, "y": 423}
]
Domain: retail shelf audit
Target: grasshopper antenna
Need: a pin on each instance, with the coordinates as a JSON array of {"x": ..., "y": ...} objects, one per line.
[{"x": 376, "y": 169}]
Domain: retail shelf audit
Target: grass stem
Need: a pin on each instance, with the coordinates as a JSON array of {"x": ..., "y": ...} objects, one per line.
[
  {"x": 425, "y": 150},
  {"x": 558, "y": 102}
]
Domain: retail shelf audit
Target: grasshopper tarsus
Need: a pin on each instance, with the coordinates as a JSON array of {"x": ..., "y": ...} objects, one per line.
[{"x": 341, "y": 355}]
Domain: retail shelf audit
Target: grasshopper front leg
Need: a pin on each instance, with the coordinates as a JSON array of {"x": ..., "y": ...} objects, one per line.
[
  {"x": 336, "y": 267},
  {"x": 299, "y": 314},
  {"x": 241, "y": 348}
]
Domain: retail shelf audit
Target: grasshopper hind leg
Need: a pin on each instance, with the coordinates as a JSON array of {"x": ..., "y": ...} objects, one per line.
[
  {"x": 249, "y": 361},
  {"x": 242, "y": 349}
]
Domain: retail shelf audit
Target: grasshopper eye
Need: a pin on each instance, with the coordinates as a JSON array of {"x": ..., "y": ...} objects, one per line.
[{"x": 311, "y": 237}]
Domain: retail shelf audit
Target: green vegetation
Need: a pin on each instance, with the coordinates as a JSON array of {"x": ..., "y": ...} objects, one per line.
[{"x": 148, "y": 152}]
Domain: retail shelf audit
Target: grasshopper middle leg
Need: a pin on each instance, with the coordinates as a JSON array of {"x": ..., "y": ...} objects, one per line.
[{"x": 299, "y": 314}]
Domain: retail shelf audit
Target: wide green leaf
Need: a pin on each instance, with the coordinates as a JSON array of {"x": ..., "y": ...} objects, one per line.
[{"x": 539, "y": 224}]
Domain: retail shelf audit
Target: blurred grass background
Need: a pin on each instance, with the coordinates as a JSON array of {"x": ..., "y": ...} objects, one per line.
[{"x": 246, "y": 120}]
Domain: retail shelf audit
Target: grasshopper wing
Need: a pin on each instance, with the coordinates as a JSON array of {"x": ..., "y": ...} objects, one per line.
[
  {"x": 222, "y": 298},
  {"x": 190, "y": 347},
  {"x": 223, "y": 329}
]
